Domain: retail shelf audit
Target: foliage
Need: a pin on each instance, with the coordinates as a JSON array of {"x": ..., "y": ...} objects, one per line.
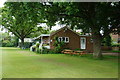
[
  {"x": 37, "y": 45},
  {"x": 107, "y": 41},
  {"x": 37, "y": 50},
  {"x": 8, "y": 41},
  {"x": 26, "y": 44},
  {"x": 78, "y": 49},
  {"x": 39, "y": 31},
  {"x": 116, "y": 45},
  {"x": 58, "y": 45},
  {"x": 44, "y": 51},
  {"x": 20, "y": 18}
]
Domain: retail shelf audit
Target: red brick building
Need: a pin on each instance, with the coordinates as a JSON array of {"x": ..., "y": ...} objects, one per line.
[{"x": 72, "y": 39}]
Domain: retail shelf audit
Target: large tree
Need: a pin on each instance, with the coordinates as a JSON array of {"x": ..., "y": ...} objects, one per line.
[
  {"x": 20, "y": 18},
  {"x": 92, "y": 17}
]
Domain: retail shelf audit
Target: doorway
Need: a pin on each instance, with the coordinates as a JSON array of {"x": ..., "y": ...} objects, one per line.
[{"x": 83, "y": 43}]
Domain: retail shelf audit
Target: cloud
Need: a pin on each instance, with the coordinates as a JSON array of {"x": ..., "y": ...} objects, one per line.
[{"x": 2, "y": 3}]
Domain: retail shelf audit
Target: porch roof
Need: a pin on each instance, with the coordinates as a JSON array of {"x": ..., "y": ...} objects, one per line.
[{"x": 42, "y": 35}]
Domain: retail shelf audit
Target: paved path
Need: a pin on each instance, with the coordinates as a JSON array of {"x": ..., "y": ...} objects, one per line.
[{"x": 115, "y": 54}]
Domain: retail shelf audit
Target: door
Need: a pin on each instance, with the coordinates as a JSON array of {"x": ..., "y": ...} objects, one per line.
[{"x": 83, "y": 42}]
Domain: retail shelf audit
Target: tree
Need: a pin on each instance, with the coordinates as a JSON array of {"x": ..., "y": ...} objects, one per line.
[
  {"x": 8, "y": 40},
  {"x": 107, "y": 41},
  {"x": 92, "y": 17},
  {"x": 20, "y": 18},
  {"x": 40, "y": 30}
]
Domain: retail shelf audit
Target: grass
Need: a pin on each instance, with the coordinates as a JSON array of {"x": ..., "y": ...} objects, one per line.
[{"x": 19, "y": 63}]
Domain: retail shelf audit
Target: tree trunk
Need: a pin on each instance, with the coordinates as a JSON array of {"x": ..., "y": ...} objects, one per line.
[
  {"x": 97, "y": 54},
  {"x": 22, "y": 43}
]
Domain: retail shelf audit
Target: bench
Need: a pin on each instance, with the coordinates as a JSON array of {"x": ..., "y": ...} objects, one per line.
[
  {"x": 67, "y": 51},
  {"x": 79, "y": 52},
  {"x": 72, "y": 52}
]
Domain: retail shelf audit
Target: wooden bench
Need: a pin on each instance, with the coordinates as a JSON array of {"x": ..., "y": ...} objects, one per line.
[
  {"x": 72, "y": 52},
  {"x": 79, "y": 53},
  {"x": 67, "y": 51}
]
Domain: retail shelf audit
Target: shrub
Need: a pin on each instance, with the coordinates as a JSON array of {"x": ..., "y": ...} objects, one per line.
[
  {"x": 37, "y": 49},
  {"x": 26, "y": 44},
  {"x": 7, "y": 43},
  {"x": 52, "y": 52},
  {"x": 37, "y": 45},
  {"x": 32, "y": 48},
  {"x": 107, "y": 41},
  {"x": 116, "y": 45},
  {"x": 58, "y": 45},
  {"x": 78, "y": 49}
]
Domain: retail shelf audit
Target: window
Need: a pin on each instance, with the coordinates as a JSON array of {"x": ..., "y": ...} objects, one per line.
[
  {"x": 60, "y": 39},
  {"x": 65, "y": 39}
]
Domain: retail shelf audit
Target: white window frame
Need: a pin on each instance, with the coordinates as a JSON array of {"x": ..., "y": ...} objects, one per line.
[
  {"x": 66, "y": 39},
  {"x": 62, "y": 39},
  {"x": 59, "y": 39}
]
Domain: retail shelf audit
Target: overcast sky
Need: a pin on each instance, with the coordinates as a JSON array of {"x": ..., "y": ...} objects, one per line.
[{"x": 2, "y": 2}]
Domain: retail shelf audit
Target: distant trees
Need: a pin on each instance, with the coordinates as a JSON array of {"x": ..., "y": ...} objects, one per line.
[{"x": 7, "y": 40}]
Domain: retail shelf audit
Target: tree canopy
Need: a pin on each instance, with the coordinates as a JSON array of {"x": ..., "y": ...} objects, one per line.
[{"x": 20, "y": 18}]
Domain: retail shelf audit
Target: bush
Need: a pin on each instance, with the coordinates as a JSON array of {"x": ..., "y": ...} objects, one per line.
[
  {"x": 52, "y": 52},
  {"x": 115, "y": 45},
  {"x": 7, "y": 43},
  {"x": 26, "y": 44},
  {"x": 45, "y": 51},
  {"x": 107, "y": 41},
  {"x": 37, "y": 45},
  {"x": 78, "y": 49},
  {"x": 37, "y": 49},
  {"x": 58, "y": 45}
]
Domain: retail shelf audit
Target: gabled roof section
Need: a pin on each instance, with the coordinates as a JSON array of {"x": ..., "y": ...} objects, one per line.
[
  {"x": 68, "y": 29},
  {"x": 58, "y": 30}
]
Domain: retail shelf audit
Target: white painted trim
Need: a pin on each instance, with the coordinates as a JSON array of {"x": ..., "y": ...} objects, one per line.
[
  {"x": 59, "y": 39},
  {"x": 62, "y": 39},
  {"x": 66, "y": 39}
]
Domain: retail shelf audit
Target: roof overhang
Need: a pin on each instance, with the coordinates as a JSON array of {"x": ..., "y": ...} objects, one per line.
[{"x": 42, "y": 35}]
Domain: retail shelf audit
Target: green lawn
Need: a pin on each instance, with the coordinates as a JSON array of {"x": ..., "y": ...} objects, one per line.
[{"x": 19, "y": 63}]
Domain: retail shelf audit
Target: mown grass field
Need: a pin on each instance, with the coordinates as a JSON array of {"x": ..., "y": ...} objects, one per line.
[{"x": 17, "y": 63}]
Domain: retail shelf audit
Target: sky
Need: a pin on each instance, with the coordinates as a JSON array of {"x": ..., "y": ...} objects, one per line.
[{"x": 2, "y": 3}]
